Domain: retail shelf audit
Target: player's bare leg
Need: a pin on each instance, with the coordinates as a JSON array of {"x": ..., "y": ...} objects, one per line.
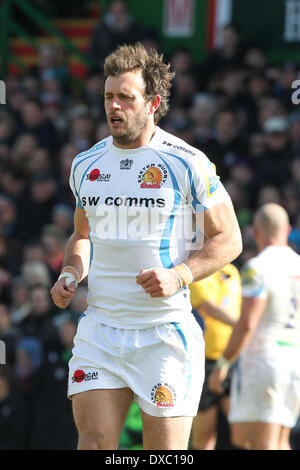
[
  {"x": 204, "y": 434},
  {"x": 240, "y": 435},
  {"x": 263, "y": 436},
  {"x": 166, "y": 433},
  {"x": 99, "y": 416},
  {"x": 284, "y": 439}
]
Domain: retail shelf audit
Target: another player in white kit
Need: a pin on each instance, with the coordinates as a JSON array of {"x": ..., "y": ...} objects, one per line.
[
  {"x": 138, "y": 338},
  {"x": 265, "y": 392}
]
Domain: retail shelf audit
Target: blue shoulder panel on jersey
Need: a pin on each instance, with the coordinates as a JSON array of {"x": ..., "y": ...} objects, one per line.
[
  {"x": 75, "y": 168},
  {"x": 95, "y": 147},
  {"x": 191, "y": 179},
  {"x": 87, "y": 169},
  {"x": 165, "y": 241}
]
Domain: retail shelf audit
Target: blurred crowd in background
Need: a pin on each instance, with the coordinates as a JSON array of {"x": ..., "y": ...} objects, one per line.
[{"x": 236, "y": 107}]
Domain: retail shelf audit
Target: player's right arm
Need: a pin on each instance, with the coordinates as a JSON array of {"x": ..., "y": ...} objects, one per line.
[{"x": 76, "y": 261}]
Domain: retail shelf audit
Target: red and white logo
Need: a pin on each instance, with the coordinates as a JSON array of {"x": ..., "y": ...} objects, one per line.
[{"x": 78, "y": 375}]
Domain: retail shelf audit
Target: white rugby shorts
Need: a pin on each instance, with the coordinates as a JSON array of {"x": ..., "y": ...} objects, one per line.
[
  {"x": 163, "y": 365},
  {"x": 266, "y": 389}
]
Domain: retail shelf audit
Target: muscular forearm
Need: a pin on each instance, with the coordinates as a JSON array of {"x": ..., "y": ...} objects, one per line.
[
  {"x": 77, "y": 254},
  {"x": 216, "y": 253}
]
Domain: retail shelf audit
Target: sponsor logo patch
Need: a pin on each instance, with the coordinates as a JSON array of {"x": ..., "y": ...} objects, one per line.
[
  {"x": 96, "y": 175},
  {"x": 80, "y": 376},
  {"x": 163, "y": 395}
]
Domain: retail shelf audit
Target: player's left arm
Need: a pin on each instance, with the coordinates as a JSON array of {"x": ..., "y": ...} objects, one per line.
[
  {"x": 252, "y": 309},
  {"x": 223, "y": 241}
]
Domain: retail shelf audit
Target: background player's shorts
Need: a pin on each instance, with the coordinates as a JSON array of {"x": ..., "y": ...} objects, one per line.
[
  {"x": 266, "y": 390},
  {"x": 208, "y": 397},
  {"x": 163, "y": 365}
]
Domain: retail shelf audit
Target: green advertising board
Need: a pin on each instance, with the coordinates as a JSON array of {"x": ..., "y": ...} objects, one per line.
[{"x": 274, "y": 25}]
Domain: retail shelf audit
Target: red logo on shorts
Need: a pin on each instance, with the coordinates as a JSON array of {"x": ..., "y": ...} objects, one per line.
[{"x": 79, "y": 375}]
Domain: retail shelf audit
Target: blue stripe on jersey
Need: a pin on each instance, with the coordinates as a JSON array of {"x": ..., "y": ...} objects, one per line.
[
  {"x": 181, "y": 334},
  {"x": 75, "y": 168},
  {"x": 164, "y": 248},
  {"x": 95, "y": 147},
  {"x": 191, "y": 179},
  {"x": 92, "y": 250}
]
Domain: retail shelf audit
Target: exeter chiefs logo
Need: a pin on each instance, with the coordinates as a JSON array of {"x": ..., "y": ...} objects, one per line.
[
  {"x": 163, "y": 395},
  {"x": 152, "y": 176}
]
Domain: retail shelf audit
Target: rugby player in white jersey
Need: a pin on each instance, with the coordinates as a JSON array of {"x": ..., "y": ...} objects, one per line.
[
  {"x": 265, "y": 392},
  {"x": 138, "y": 339}
]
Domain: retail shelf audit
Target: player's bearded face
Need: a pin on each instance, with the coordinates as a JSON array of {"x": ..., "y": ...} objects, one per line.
[
  {"x": 130, "y": 127},
  {"x": 125, "y": 107}
]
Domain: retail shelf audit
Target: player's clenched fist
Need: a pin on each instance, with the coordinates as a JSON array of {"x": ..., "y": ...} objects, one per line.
[
  {"x": 158, "y": 282},
  {"x": 63, "y": 293}
]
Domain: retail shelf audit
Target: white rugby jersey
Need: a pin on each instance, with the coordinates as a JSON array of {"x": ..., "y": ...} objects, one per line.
[
  {"x": 139, "y": 203},
  {"x": 274, "y": 274}
]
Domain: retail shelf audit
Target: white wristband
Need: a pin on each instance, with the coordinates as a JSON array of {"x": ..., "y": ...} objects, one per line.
[
  {"x": 189, "y": 270},
  {"x": 180, "y": 283},
  {"x": 69, "y": 278}
]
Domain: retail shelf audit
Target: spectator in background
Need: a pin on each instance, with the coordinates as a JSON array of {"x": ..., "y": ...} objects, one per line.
[
  {"x": 226, "y": 146},
  {"x": 19, "y": 306},
  {"x": 82, "y": 131},
  {"x": 50, "y": 65},
  {"x": 34, "y": 252},
  {"x": 36, "y": 272},
  {"x": 65, "y": 157},
  {"x": 203, "y": 114},
  {"x": 229, "y": 54},
  {"x": 62, "y": 217},
  {"x": 115, "y": 28},
  {"x": 53, "y": 240},
  {"x": 8, "y": 213},
  {"x": 50, "y": 397},
  {"x": 14, "y": 417},
  {"x": 273, "y": 167},
  {"x": 33, "y": 121},
  {"x": 94, "y": 99},
  {"x": 29, "y": 356},
  {"x": 294, "y": 131},
  {"x": 34, "y": 210},
  {"x": 39, "y": 322},
  {"x": 9, "y": 334}
]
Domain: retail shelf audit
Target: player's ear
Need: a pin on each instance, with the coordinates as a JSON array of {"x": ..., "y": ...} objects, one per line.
[{"x": 154, "y": 104}]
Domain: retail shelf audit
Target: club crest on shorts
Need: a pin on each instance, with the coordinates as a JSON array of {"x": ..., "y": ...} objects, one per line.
[
  {"x": 163, "y": 395},
  {"x": 152, "y": 176}
]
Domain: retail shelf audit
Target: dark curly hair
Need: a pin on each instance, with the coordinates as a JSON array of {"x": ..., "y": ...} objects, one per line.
[{"x": 156, "y": 73}]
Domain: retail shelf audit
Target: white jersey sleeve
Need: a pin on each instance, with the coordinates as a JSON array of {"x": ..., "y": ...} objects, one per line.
[
  {"x": 253, "y": 284},
  {"x": 206, "y": 189}
]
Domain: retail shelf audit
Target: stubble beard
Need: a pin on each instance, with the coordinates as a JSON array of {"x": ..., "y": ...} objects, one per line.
[{"x": 131, "y": 132}]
